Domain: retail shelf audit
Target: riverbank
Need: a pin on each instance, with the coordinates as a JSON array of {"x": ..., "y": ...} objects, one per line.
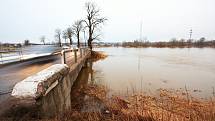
[
  {"x": 97, "y": 55},
  {"x": 168, "y": 106}
]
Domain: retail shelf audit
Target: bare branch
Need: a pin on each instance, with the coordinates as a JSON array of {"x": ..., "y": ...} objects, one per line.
[
  {"x": 42, "y": 39},
  {"x": 93, "y": 21},
  {"x": 77, "y": 28},
  {"x": 58, "y": 36}
]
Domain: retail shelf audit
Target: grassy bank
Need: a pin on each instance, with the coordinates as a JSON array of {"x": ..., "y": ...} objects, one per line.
[
  {"x": 169, "y": 106},
  {"x": 96, "y": 55}
]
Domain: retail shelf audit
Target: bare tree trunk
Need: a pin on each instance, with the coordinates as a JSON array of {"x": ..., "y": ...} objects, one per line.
[
  {"x": 65, "y": 41},
  {"x": 70, "y": 41},
  {"x": 90, "y": 36},
  {"x": 78, "y": 40},
  {"x": 90, "y": 43},
  {"x": 60, "y": 42}
]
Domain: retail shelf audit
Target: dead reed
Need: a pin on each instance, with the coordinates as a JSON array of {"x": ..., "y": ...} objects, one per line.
[
  {"x": 96, "y": 55},
  {"x": 168, "y": 106}
]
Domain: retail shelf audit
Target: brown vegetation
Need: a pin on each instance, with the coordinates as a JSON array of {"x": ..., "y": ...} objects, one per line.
[
  {"x": 95, "y": 56},
  {"x": 9, "y": 47},
  {"x": 176, "y": 105},
  {"x": 172, "y": 43},
  {"x": 168, "y": 106}
]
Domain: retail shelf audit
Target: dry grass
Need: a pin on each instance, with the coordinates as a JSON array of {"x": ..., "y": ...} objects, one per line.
[
  {"x": 96, "y": 55},
  {"x": 169, "y": 106},
  {"x": 172, "y": 106}
]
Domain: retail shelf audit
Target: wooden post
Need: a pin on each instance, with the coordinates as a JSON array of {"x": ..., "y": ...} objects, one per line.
[
  {"x": 1, "y": 58},
  {"x": 75, "y": 53},
  {"x": 20, "y": 56},
  {"x": 84, "y": 51},
  {"x": 80, "y": 52},
  {"x": 64, "y": 57}
]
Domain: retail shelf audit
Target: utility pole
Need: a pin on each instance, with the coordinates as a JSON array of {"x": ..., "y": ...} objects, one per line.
[
  {"x": 190, "y": 38},
  {"x": 191, "y": 32},
  {"x": 141, "y": 30}
]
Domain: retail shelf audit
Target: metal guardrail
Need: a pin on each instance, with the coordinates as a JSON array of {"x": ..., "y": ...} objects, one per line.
[
  {"x": 67, "y": 54},
  {"x": 3, "y": 92},
  {"x": 15, "y": 55}
]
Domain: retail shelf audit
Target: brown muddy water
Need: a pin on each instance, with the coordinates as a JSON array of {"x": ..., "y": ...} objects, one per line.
[{"x": 127, "y": 70}]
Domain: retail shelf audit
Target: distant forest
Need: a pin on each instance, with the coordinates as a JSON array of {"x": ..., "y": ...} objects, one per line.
[{"x": 173, "y": 43}]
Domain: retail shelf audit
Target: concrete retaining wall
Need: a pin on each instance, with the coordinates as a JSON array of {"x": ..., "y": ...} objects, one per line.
[{"x": 50, "y": 89}]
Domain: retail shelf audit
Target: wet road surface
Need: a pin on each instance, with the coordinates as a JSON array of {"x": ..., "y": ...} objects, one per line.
[{"x": 11, "y": 74}]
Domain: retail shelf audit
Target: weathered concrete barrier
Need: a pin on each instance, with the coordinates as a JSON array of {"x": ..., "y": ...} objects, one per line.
[{"x": 50, "y": 89}]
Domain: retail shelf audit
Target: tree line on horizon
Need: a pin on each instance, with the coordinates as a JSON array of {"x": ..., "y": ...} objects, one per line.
[{"x": 181, "y": 43}]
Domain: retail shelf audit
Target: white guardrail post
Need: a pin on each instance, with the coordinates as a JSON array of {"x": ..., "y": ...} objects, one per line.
[
  {"x": 63, "y": 54},
  {"x": 63, "y": 57}
]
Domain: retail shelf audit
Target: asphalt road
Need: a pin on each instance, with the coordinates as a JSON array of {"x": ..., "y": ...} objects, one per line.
[{"x": 11, "y": 74}]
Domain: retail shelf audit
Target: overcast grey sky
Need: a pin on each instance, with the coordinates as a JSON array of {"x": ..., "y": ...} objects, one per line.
[{"x": 161, "y": 19}]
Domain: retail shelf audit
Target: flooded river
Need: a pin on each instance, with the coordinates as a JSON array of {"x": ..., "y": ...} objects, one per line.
[{"x": 149, "y": 69}]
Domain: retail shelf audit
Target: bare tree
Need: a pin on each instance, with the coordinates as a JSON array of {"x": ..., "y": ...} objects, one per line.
[
  {"x": 69, "y": 34},
  {"x": 42, "y": 39},
  {"x": 93, "y": 22},
  {"x": 182, "y": 41},
  {"x": 202, "y": 40},
  {"x": 77, "y": 28},
  {"x": 65, "y": 36},
  {"x": 58, "y": 36},
  {"x": 26, "y": 42}
]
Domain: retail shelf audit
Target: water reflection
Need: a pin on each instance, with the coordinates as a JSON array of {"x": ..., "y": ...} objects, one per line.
[{"x": 79, "y": 99}]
